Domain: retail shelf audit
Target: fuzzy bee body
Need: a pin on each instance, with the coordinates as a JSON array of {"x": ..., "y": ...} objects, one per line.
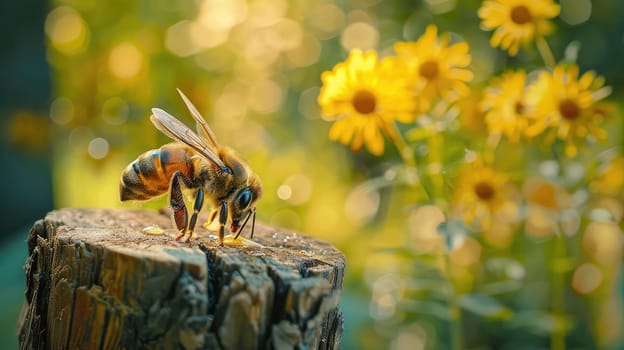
[
  {"x": 197, "y": 163},
  {"x": 150, "y": 174}
]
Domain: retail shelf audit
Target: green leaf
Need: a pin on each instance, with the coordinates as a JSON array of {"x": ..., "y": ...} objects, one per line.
[
  {"x": 421, "y": 260},
  {"x": 439, "y": 286},
  {"x": 485, "y": 306},
  {"x": 562, "y": 265},
  {"x": 500, "y": 287},
  {"x": 401, "y": 252},
  {"x": 571, "y": 51},
  {"x": 541, "y": 322},
  {"x": 431, "y": 308},
  {"x": 418, "y": 134}
]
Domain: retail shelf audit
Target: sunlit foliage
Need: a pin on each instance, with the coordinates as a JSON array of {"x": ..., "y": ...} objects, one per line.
[{"x": 479, "y": 200}]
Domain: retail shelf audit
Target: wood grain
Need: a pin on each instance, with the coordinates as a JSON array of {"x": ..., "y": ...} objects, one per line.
[{"x": 96, "y": 281}]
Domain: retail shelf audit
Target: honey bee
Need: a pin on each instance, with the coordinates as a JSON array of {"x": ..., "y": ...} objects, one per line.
[{"x": 196, "y": 162}]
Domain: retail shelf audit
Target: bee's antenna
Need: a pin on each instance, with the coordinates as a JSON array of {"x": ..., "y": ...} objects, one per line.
[{"x": 253, "y": 224}]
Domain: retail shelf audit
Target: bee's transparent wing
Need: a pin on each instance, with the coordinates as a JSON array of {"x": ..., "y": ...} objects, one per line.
[
  {"x": 175, "y": 129},
  {"x": 202, "y": 127}
]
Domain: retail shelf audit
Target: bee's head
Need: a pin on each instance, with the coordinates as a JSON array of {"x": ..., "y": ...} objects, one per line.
[{"x": 243, "y": 203}]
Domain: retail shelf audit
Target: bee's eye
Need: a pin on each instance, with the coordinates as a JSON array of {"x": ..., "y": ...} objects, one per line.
[{"x": 244, "y": 198}]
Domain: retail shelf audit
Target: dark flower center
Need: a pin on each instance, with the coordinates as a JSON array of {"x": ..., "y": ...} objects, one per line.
[
  {"x": 519, "y": 107},
  {"x": 569, "y": 109},
  {"x": 429, "y": 70},
  {"x": 364, "y": 101},
  {"x": 484, "y": 191},
  {"x": 520, "y": 14}
]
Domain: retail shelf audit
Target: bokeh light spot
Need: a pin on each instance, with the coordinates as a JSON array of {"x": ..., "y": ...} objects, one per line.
[
  {"x": 603, "y": 242},
  {"x": 62, "y": 111},
  {"x": 222, "y": 15},
  {"x": 607, "y": 209},
  {"x": 231, "y": 105},
  {"x": 570, "y": 221},
  {"x": 515, "y": 271},
  {"x": 586, "y": 278},
  {"x": 307, "y": 53},
  {"x": 257, "y": 50},
  {"x": 540, "y": 222},
  {"x": 285, "y": 35},
  {"x": 440, "y": 6},
  {"x": 384, "y": 297},
  {"x": 284, "y": 192},
  {"x": 423, "y": 226},
  {"x": 575, "y": 12},
  {"x": 201, "y": 37},
  {"x": 125, "y": 61},
  {"x": 467, "y": 254},
  {"x": 328, "y": 18},
  {"x": 66, "y": 29},
  {"x": 362, "y": 204},
  {"x": 178, "y": 39},
  {"x": 413, "y": 337},
  {"x": 308, "y": 105},
  {"x": 98, "y": 148},
  {"x": 115, "y": 111},
  {"x": 359, "y": 35},
  {"x": 297, "y": 189},
  {"x": 265, "y": 96},
  {"x": 80, "y": 136},
  {"x": 549, "y": 168},
  {"x": 264, "y": 13}
]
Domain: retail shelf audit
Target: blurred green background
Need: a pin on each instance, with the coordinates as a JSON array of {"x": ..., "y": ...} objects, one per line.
[{"x": 80, "y": 76}]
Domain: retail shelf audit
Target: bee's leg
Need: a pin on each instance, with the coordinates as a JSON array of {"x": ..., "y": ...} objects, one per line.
[
  {"x": 213, "y": 215},
  {"x": 223, "y": 215},
  {"x": 245, "y": 223},
  {"x": 176, "y": 200},
  {"x": 199, "y": 201},
  {"x": 253, "y": 223}
]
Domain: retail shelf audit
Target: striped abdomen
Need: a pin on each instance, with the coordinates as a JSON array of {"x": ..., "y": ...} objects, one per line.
[{"x": 150, "y": 174}]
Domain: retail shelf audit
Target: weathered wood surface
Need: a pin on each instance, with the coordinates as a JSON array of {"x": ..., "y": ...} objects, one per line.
[{"x": 96, "y": 281}]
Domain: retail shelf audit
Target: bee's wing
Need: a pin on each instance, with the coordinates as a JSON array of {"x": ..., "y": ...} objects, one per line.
[
  {"x": 175, "y": 129},
  {"x": 202, "y": 127}
]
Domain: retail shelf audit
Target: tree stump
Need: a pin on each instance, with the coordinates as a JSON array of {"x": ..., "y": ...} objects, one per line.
[{"x": 96, "y": 281}]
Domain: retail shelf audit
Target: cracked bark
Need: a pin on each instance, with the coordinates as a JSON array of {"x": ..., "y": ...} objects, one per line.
[{"x": 94, "y": 280}]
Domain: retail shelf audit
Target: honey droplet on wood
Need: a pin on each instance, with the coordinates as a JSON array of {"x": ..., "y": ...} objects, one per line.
[{"x": 153, "y": 230}]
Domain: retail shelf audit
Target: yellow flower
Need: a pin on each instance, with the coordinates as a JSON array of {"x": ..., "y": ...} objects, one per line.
[
  {"x": 437, "y": 68},
  {"x": 481, "y": 192},
  {"x": 566, "y": 106},
  {"x": 610, "y": 180},
  {"x": 506, "y": 106},
  {"x": 365, "y": 96},
  {"x": 471, "y": 115},
  {"x": 545, "y": 202},
  {"x": 517, "y": 21}
]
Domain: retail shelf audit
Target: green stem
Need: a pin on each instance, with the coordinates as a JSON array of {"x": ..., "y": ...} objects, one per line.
[
  {"x": 454, "y": 309},
  {"x": 557, "y": 338},
  {"x": 559, "y": 269},
  {"x": 404, "y": 150},
  {"x": 436, "y": 144},
  {"x": 545, "y": 52},
  {"x": 407, "y": 154}
]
